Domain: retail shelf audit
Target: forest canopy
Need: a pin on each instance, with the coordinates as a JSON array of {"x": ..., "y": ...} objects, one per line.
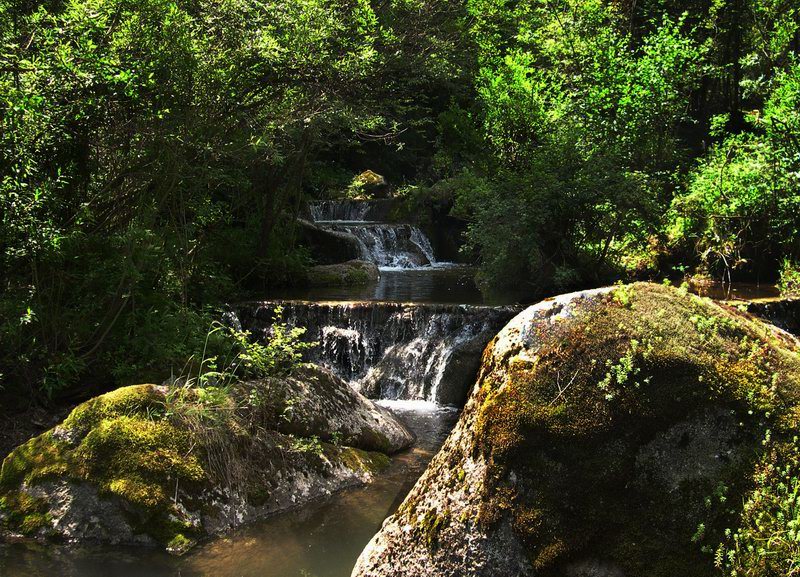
[{"x": 155, "y": 154}]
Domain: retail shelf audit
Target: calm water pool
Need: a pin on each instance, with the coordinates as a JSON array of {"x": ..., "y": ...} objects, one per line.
[{"x": 448, "y": 284}]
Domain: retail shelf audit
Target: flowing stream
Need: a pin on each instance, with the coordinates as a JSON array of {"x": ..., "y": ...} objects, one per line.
[{"x": 413, "y": 343}]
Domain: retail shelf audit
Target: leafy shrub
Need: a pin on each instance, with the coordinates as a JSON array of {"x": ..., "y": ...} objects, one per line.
[{"x": 789, "y": 282}]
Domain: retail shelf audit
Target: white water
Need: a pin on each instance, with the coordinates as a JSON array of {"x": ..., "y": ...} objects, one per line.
[
  {"x": 391, "y": 350},
  {"x": 339, "y": 210},
  {"x": 391, "y": 246}
]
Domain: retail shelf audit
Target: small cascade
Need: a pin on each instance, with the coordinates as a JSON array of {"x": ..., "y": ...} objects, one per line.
[
  {"x": 388, "y": 245},
  {"x": 391, "y": 245},
  {"x": 339, "y": 210},
  {"x": 391, "y": 350}
]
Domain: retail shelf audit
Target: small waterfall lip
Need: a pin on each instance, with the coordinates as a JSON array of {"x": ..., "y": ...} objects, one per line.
[{"x": 339, "y": 210}]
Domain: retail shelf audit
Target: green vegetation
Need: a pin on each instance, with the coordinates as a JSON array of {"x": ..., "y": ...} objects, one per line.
[
  {"x": 146, "y": 445},
  {"x": 628, "y": 139},
  {"x": 598, "y": 481},
  {"x": 154, "y": 155}
]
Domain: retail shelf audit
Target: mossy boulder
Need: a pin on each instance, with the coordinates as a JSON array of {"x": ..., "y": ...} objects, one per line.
[
  {"x": 369, "y": 184},
  {"x": 350, "y": 273},
  {"x": 151, "y": 465},
  {"x": 622, "y": 432}
]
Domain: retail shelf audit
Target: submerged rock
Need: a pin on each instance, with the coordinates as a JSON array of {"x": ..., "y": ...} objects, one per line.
[
  {"x": 618, "y": 433},
  {"x": 149, "y": 465},
  {"x": 350, "y": 273}
]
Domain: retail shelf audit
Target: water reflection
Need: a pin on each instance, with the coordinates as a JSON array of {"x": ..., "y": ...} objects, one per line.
[
  {"x": 442, "y": 284},
  {"x": 319, "y": 541},
  {"x": 737, "y": 291}
]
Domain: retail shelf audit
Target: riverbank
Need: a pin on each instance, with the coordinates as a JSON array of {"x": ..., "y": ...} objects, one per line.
[{"x": 321, "y": 540}]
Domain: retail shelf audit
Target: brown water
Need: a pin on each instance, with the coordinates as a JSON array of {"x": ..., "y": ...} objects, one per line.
[
  {"x": 321, "y": 540},
  {"x": 737, "y": 291}
]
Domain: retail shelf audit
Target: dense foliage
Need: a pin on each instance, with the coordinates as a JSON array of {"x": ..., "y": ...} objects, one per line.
[
  {"x": 154, "y": 155},
  {"x": 635, "y": 138}
]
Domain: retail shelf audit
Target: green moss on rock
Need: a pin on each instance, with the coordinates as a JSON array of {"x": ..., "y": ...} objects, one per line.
[
  {"x": 576, "y": 422},
  {"x": 123, "y": 444},
  {"x": 23, "y": 513},
  {"x": 138, "y": 459},
  {"x": 357, "y": 459},
  {"x": 39, "y": 458},
  {"x": 145, "y": 400},
  {"x": 162, "y": 461},
  {"x": 350, "y": 273},
  {"x": 430, "y": 525}
]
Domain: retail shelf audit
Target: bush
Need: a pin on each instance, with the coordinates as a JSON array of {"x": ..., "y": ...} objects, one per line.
[{"x": 789, "y": 282}]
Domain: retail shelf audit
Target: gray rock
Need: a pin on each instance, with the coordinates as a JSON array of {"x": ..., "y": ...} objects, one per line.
[
  {"x": 611, "y": 433},
  {"x": 329, "y": 246},
  {"x": 324, "y": 405}
]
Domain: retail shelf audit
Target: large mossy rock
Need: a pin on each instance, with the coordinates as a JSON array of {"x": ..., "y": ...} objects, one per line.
[
  {"x": 626, "y": 432},
  {"x": 149, "y": 465}
]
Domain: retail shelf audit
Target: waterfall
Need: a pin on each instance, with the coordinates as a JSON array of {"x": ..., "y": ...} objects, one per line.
[
  {"x": 339, "y": 210},
  {"x": 391, "y": 350},
  {"x": 391, "y": 245},
  {"x": 388, "y": 245}
]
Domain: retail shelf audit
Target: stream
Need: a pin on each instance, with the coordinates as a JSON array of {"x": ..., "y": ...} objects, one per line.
[{"x": 413, "y": 342}]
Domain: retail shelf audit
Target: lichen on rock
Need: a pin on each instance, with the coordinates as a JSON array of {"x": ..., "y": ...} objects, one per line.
[
  {"x": 150, "y": 465},
  {"x": 634, "y": 430}
]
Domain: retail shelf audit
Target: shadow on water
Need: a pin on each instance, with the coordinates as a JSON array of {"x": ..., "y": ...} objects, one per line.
[
  {"x": 322, "y": 540},
  {"x": 442, "y": 284}
]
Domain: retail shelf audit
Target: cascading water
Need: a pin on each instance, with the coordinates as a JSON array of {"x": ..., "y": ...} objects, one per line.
[
  {"x": 391, "y": 350},
  {"x": 389, "y": 245},
  {"x": 339, "y": 210}
]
